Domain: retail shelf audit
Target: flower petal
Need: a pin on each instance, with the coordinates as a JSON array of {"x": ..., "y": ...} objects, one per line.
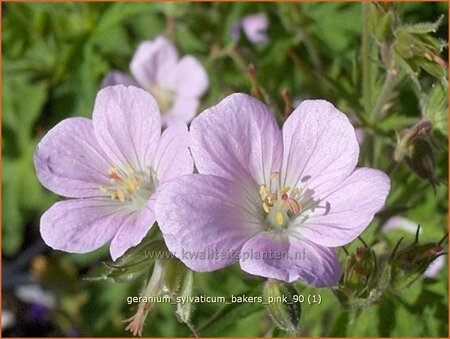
[
  {"x": 152, "y": 60},
  {"x": 205, "y": 220},
  {"x": 255, "y": 27},
  {"x": 435, "y": 267},
  {"x": 237, "y": 138},
  {"x": 127, "y": 125},
  {"x": 351, "y": 207},
  {"x": 188, "y": 78},
  {"x": 283, "y": 257},
  {"x": 118, "y": 78},
  {"x": 172, "y": 157},
  {"x": 81, "y": 225},
  {"x": 320, "y": 147},
  {"x": 69, "y": 161},
  {"x": 400, "y": 223},
  {"x": 133, "y": 231},
  {"x": 184, "y": 108}
]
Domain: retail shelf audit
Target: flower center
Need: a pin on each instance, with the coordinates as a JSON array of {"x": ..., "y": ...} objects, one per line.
[
  {"x": 163, "y": 96},
  {"x": 281, "y": 205},
  {"x": 129, "y": 185}
]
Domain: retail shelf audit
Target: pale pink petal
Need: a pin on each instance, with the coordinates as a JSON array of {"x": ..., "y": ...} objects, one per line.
[
  {"x": 127, "y": 125},
  {"x": 237, "y": 138},
  {"x": 172, "y": 157},
  {"x": 435, "y": 267},
  {"x": 320, "y": 147},
  {"x": 255, "y": 27},
  {"x": 69, "y": 161},
  {"x": 188, "y": 78},
  {"x": 152, "y": 60},
  {"x": 184, "y": 108},
  {"x": 132, "y": 231},
  {"x": 283, "y": 257},
  {"x": 206, "y": 219},
  {"x": 81, "y": 225},
  {"x": 118, "y": 78},
  {"x": 400, "y": 223},
  {"x": 345, "y": 213}
]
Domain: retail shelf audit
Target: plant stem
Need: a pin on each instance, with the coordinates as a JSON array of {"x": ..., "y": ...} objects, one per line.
[
  {"x": 366, "y": 67},
  {"x": 383, "y": 98}
]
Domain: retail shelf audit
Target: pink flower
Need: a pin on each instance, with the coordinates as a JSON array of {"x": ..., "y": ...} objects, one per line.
[
  {"x": 254, "y": 27},
  {"x": 176, "y": 84},
  {"x": 110, "y": 167},
  {"x": 276, "y": 201}
]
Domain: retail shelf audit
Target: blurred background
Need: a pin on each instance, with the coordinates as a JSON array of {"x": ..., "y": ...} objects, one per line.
[{"x": 54, "y": 58}]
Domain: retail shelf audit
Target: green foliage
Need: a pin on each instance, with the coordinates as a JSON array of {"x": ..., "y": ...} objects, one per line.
[{"x": 55, "y": 56}]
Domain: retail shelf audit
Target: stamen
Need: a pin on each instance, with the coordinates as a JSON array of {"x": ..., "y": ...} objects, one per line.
[
  {"x": 120, "y": 195},
  {"x": 266, "y": 207},
  {"x": 294, "y": 206},
  {"x": 285, "y": 189},
  {"x": 263, "y": 192},
  {"x": 125, "y": 184},
  {"x": 114, "y": 174},
  {"x": 273, "y": 175}
]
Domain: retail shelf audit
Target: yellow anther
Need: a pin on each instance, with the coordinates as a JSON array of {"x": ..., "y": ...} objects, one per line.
[
  {"x": 279, "y": 218},
  {"x": 296, "y": 191},
  {"x": 120, "y": 195},
  {"x": 271, "y": 198},
  {"x": 102, "y": 189},
  {"x": 266, "y": 207},
  {"x": 285, "y": 189},
  {"x": 113, "y": 195},
  {"x": 263, "y": 192}
]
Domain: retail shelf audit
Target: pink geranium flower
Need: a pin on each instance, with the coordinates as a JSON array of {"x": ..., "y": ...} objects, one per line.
[
  {"x": 110, "y": 166},
  {"x": 277, "y": 201},
  {"x": 176, "y": 84}
]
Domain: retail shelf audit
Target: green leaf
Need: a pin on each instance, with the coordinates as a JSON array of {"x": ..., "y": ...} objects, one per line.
[
  {"x": 424, "y": 27},
  {"x": 435, "y": 106},
  {"x": 22, "y": 103}
]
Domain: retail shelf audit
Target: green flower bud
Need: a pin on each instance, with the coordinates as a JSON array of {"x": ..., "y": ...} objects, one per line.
[
  {"x": 361, "y": 282},
  {"x": 135, "y": 263},
  {"x": 185, "y": 307},
  {"x": 415, "y": 48},
  {"x": 414, "y": 147},
  {"x": 281, "y": 306},
  {"x": 174, "y": 273},
  {"x": 409, "y": 263},
  {"x": 381, "y": 19}
]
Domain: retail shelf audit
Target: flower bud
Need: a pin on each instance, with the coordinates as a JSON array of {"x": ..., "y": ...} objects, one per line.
[
  {"x": 409, "y": 263},
  {"x": 361, "y": 280},
  {"x": 173, "y": 276},
  {"x": 416, "y": 48},
  {"x": 185, "y": 306},
  {"x": 381, "y": 20},
  {"x": 136, "y": 262},
  {"x": 414, "y": 147},
  {"x": 281, "y": 306}
]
